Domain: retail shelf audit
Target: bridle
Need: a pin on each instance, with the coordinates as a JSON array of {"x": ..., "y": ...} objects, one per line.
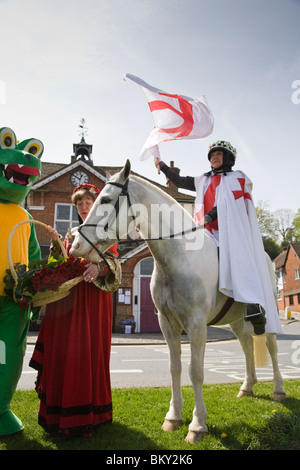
[{"x": 124, "y": 192}]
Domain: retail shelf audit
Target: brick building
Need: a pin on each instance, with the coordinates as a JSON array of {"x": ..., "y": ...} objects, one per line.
[
  {"x": 49, "y": 201},
  {"x": 287, "y": 266}
]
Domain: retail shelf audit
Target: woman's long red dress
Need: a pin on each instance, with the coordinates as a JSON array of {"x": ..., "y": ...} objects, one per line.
[{"x": 72, "y": 357}]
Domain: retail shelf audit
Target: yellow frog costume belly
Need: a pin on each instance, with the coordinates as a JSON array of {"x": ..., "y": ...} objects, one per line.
[
  {"x": 9, "y": 213},
  {"x": 20, "y": 167}
]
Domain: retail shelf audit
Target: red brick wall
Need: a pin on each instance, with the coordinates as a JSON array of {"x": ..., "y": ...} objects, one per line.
[{"x": 292, "y": 285}]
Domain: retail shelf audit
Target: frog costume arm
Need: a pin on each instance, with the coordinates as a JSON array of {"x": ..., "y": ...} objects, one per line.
[
  {"x": 34, "y": 253},
  {"x": 20, "y": 167}
]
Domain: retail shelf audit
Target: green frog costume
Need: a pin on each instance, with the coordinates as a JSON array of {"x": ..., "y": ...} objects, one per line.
[{"x": 20, "y": 165}]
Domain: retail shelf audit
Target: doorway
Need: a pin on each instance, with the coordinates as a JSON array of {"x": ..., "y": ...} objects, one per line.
[{"x": 144, "y": 309}]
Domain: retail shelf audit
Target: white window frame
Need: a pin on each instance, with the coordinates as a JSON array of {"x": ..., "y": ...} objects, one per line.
[{"x": 70, "y": 221}]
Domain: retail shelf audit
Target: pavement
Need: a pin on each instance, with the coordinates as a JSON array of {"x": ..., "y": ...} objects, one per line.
[{"x": 214, "y": 333}]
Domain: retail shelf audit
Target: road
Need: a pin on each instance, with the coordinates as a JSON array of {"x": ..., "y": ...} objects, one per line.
[{"x": 148, "y": 365}]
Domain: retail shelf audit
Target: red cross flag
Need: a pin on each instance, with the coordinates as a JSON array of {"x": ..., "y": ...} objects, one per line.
[{"x": 175, "y": 117}]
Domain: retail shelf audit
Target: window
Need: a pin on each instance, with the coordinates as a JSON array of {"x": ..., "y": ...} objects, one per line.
[
  {"x": 279, "y": 297},
  {"x": 146, "y": 267},
  {"x": 298, "y": 298},
  {"x": 65, "y": 217},
  {"x": 291, "y": 300},
  {"x": 297, "y": 273}
]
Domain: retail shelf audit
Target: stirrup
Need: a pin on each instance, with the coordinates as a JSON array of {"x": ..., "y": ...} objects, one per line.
[
  {"x": 257, "y": 318},
  {"x": 248, "y": 315}
]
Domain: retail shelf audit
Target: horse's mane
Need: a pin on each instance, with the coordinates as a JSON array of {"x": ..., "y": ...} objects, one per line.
[{"x": 164, "y": 195}]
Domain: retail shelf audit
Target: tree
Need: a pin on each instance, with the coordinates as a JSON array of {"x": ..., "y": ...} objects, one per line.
[
  {"x": 296, "y": 227},
  {"x": 265, "y": 220},
  {"x": 283, "y": 224},
  {"x": 271, "y": 247}
]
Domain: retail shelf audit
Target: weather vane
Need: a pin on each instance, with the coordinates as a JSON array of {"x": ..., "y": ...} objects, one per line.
[{"x": 82, "y": 128}]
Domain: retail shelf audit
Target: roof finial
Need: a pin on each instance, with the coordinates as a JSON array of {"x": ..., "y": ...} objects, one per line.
[{"x": 82, "y": 129}]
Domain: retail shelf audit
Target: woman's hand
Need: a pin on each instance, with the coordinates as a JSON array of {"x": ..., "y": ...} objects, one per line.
[
  {"x": 91, "y": 272},
  {"x": 52, "y": 233}
]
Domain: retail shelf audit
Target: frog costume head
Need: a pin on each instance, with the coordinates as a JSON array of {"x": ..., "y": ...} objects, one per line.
[{"x": 20, "y": 165}]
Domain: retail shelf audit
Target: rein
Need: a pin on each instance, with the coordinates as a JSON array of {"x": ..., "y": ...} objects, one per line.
[{"x": 124, "y": 192}]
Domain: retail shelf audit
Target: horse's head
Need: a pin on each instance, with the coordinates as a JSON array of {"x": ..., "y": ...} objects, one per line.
[{"x": 100, "y": 231}]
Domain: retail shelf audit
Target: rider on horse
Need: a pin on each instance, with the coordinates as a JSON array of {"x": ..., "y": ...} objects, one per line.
[{"x": 219, "y": 204}]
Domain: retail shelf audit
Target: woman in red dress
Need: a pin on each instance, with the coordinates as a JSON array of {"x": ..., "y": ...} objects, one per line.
[{"x": 72, "y": 352}]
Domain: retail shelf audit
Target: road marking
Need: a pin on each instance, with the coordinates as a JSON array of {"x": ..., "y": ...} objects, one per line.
[
  {"x": 126, "y": 371},
  {"x": 144, "y": 360}
]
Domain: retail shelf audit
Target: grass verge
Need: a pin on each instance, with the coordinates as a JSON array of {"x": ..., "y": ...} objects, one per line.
[{"x": 234, "y": 423}]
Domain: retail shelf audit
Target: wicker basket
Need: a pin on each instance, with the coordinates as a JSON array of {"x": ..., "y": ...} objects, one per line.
[{"x": 48, "y": 296}]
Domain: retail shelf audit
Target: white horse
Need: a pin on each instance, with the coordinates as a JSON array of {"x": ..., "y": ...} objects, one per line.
[{"x": 184, "y": 284}]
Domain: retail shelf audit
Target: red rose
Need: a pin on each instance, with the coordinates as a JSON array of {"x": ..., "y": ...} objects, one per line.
[{"x": 36, "y": 283}]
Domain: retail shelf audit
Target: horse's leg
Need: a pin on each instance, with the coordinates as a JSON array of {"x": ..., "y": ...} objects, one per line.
[
  {"x": 173, "y": 337},
  {"x": 278, "y": 390},
  {"x": 246, "y": 342},
  {"x": 197, "y": 428}
]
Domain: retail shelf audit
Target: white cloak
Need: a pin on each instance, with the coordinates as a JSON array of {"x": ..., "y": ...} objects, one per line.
[{"x": 243, "y": 269}]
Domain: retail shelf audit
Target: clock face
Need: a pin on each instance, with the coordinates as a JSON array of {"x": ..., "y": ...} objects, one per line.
[{"x": 79, "y": 177}]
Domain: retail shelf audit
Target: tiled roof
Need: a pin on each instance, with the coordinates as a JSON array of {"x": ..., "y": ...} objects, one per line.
[
  {"x": 296, "y": 248},
  {"x": 281, "y": 259}
]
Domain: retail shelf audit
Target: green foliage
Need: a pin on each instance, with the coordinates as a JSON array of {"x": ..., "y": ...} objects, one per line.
[
  {"x": 234, "y": 423},
  {"x": 282, "y": 226},
  {"x": 296, "y": 227},
  {"x": 271, "y": 247}
]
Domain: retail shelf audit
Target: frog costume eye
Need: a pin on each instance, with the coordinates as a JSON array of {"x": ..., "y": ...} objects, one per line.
[
  {"x": 7, "y": 138},
  {"x": 33, "y": 146}
]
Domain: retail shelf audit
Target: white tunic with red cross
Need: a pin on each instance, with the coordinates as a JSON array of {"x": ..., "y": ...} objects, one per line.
[{"x": 243, "y": 269}]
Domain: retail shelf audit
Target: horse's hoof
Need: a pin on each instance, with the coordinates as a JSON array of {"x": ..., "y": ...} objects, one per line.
[
  {"x": 245, "y": 393},
  {"x": 279, "y": 396},
  {"x": 194, "y": 437},
  {"x": 171, "y": 425}
]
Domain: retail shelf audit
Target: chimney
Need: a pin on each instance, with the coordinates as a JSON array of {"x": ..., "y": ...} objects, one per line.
[{"x": 168, "y": 182}]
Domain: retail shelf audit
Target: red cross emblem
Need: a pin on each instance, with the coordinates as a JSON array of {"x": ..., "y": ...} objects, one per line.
[
  {"x": 241, "y": 193},
  {"x": 186, "y": 113}
]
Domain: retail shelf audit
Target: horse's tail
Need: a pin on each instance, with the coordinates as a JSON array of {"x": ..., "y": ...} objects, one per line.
[{"x": 261, "y": 355}]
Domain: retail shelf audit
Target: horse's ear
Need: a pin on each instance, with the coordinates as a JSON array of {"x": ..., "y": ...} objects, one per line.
[
  {"x": 125, "y": 172},
  {"x": 126, "y": 169},
  {"x": 107, "y": 176}
]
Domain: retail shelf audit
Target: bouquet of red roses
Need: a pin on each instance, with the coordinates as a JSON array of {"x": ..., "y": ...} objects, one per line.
[{"x": 44, "y": 281}]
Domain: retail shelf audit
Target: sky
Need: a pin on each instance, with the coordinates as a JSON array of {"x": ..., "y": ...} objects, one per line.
[{"x": 65, "y": 60}]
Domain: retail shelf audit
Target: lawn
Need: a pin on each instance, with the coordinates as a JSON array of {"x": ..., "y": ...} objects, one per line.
[{"x": 234, "y": 423}]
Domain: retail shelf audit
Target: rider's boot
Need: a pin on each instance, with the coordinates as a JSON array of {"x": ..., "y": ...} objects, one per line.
[{"x": 256, "y": 314}]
